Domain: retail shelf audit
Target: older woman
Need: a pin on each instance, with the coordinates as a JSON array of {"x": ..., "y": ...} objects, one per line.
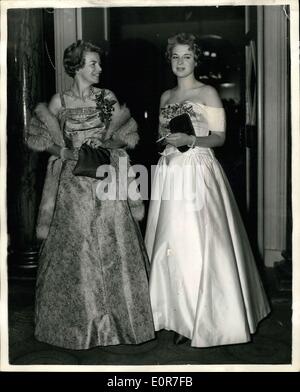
[{"x": 92, "y": 283}]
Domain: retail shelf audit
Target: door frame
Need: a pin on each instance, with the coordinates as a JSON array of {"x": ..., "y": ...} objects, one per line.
[{"x": 272, "y": 125}]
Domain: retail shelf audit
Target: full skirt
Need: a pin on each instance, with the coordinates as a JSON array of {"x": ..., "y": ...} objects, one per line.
[
  {"x": 92, "y": 283},
  {"x": 204, "y": 282}
]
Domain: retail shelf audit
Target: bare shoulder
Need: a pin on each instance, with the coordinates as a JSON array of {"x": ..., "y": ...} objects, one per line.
[
  {"x": 212, "y": 97},
  {"x": 165, "y": 97},
  {"x": 55, "y": 104}
]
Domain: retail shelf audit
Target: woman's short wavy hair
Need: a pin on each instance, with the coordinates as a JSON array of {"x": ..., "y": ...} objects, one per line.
[
  {"x": 184, "y": 39},
  {"x": 74, "y": 56}
]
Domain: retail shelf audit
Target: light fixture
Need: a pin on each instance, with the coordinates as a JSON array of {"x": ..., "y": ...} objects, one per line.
[{"x": 227, "y": 84}]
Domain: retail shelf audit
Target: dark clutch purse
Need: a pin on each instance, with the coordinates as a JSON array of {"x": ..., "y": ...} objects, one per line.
[
  {"x": 182, "y": 123},
  {"x": 89, "y": 159}
]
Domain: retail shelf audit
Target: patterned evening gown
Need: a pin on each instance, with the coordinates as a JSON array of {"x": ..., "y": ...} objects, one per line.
[
  {"x": 204, "y": 282},
  {"x": 92, "y": 284}
]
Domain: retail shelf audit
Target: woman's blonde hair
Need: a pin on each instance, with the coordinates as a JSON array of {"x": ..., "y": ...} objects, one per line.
[{"x": 184, "y": 39}]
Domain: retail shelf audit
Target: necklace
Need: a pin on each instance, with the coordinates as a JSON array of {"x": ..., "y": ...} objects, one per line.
[{"x": 85, "y": 98}]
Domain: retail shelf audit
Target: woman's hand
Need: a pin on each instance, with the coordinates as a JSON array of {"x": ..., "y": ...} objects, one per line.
[
  {"x": 68, "y": 154},
  {"x": 179, "y": 139},
  {"x": 94, "y": 142},
  {"x": 113, "y": 144},
  {"x": 97, "y": 142}
]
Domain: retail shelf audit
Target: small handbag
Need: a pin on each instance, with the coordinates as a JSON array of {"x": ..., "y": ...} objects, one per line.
[
  {"x": 89, "y": 159},
  {"x": 182, "y": 123}
]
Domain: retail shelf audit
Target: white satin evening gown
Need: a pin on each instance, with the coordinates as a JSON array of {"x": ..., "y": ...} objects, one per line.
[{"x": 204, "y": 282}]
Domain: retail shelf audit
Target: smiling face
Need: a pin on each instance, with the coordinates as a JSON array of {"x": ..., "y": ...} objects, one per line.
[
  {"x": 90, "y": 72},
  {"x": 182, "y": 61}
]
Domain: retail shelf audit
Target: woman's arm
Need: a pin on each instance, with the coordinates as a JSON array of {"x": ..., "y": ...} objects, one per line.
[
  {"x": 164, "y": 98},
  {"x": 63, "y": 152},
  {"x": 55, "y": 104},
  {"x": 115, "y": 142},
  {"x": 215, "y": 139},
  {"x": 162, "y": 131},
  {"x": 111, "y": 140}
]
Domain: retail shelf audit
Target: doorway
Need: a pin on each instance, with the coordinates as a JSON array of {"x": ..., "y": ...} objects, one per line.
[{"x": 137, "y": 71}]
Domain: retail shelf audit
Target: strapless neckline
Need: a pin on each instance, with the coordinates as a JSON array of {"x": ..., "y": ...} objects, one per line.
[{"x": 191, "y": 102}]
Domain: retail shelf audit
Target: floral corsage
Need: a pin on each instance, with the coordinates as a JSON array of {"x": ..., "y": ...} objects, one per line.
[{"x": 105, "y": 107}]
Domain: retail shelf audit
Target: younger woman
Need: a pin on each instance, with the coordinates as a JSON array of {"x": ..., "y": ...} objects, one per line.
[{"x": 204, "y": 283}]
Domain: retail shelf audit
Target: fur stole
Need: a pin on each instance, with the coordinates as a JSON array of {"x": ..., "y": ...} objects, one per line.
[
  {"x": 124, "y": 128},
  {"x": 43, "y": 130}
]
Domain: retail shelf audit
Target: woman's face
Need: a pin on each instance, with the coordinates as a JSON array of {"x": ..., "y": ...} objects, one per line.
[
  {"x": 182, "y": 60},
  {"x": 91, "y": 70}
]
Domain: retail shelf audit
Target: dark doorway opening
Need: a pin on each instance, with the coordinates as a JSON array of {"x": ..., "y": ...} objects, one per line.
[{"x": 137, "y": 71}]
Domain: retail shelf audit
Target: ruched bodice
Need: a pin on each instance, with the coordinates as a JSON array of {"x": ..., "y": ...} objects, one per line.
[
  {"x": 204, "y": 118},
  {"x": 79, "y": 124}
]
